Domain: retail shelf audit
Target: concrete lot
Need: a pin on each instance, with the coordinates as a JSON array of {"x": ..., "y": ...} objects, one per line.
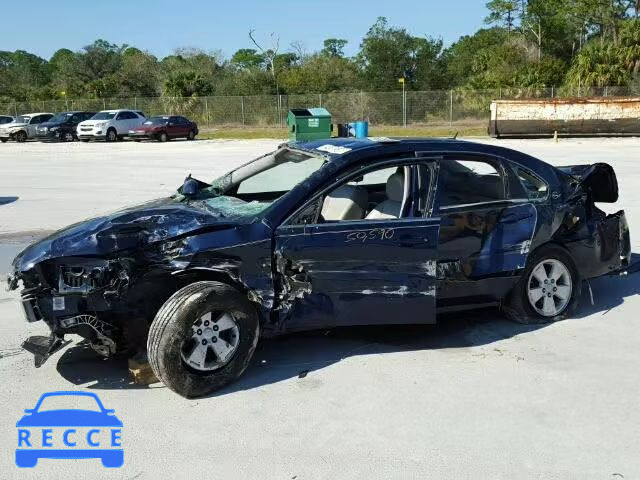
[{"x": 474, "y": 397}]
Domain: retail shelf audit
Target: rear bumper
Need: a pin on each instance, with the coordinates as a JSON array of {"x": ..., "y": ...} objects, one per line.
[{"x": 607, "y": 250}]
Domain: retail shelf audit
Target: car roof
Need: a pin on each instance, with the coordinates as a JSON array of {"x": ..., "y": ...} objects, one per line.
[
  {"x": 116, "y": 110},
  {"x": 353, "y": 149},
  {"x": 34, "y": 114}
]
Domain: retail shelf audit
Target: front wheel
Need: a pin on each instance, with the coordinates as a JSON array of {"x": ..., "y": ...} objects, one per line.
[
  {"x": 112, "y": 135},
  {"x": 548, "y": 290},
  {"x": 3, "y": 140},
  {"x": 67, "y": 137},
  {"x": 191, "y": 135},
  {"x": 21, "y": 136},
  {"x": 163, "y": 137},
  {"x": 202, "y": 338}
]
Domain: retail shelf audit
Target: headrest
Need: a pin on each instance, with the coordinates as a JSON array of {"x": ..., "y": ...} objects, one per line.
[{"x": 395, "y": 187}]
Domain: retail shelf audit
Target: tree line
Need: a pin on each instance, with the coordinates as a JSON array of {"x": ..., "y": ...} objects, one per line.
[{"x": 524, "y": 43}]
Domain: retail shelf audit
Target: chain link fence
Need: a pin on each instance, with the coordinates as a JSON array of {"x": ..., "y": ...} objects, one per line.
[{"x": 425, "y": 108}]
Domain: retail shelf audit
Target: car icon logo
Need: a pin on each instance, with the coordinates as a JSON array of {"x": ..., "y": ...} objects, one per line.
[{"x": 47, "y": 431}]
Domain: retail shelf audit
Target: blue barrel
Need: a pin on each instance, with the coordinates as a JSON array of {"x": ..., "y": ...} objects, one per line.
[{"x": 362, "y": 129}]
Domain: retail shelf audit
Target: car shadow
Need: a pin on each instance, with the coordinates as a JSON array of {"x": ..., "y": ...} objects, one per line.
[{"x": 298, "y": 355}]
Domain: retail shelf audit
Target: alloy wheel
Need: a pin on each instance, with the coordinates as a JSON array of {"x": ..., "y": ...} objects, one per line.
[
  {"x": 215, "y": 338},
  {"x": 549, "y": 287}
]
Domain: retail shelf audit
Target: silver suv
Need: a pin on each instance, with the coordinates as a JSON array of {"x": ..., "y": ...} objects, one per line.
[{"x": 23, "y": 127}]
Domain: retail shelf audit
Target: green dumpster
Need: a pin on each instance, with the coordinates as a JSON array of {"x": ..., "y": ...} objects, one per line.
[{"x": 309, "y": 123}]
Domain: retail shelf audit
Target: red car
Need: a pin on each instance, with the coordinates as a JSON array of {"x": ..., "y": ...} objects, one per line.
[{"x": 165, "y": 128}]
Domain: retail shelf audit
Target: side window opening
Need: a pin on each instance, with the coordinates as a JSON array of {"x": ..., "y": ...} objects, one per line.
[
  {"x": 465, "y": 182},
  {"x": 378, "y": 195},
  {"x": 535, "y": 187}
]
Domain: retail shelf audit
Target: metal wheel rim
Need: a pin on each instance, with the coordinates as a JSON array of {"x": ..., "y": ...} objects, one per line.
[
  {"x": 111, "y": 135},
  {"x": 68, "y": 137},
  {"x": 214, "y": 340},
  {"x": 549, "y": 287}
]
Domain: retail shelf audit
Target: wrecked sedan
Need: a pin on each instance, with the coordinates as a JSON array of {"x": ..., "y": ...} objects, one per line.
[{"x": 324, "y": 234}]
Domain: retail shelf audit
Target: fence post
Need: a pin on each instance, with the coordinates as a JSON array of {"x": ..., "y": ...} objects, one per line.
[
  {"x": 320, "y": 99},
  {"x": 135, "y": 102},
  {"x": 242, "y": 109},
  {"x": 606, "y": 91},
  {"x": 15, "y": 108},
  {"x": 450, "y": 108},
  {"x": 278, "y": 107},
  {"x": 206, "y": 110},
  {"x": 104, "y": 104},
  {"x": 552, "y": 92},
  {"x": 362, "y": 105}
]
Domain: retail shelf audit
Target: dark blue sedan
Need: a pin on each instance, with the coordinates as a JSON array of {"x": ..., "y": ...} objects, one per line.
[{"x": 325, "y": 234}]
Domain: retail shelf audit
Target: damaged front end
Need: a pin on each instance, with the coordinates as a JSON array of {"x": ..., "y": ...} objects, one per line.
[
  {"x": 104, "y": 279},
  {"x": 74, "y": 296}
]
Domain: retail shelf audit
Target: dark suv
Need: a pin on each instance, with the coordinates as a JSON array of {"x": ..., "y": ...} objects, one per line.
[{"x": 62, "y": 127}]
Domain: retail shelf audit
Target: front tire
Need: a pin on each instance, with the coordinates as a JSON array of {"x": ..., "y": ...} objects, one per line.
[
  {"x": 3, "y": 140},
  {"x": 548, "y": 290},
  {"x": 163, "y": 137},
  {"x": 112, "y": 135},
  {"x": 21, "y": 137},
  {"x": 202, "y": 338},
  {"x": 67, "y": 137},
  {"x": 191, "y": 135}
]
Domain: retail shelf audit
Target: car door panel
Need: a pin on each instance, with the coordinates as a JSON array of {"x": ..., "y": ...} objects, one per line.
[
  {"x": 483, "y": 242},
  {"x": 357, "y": 273}
]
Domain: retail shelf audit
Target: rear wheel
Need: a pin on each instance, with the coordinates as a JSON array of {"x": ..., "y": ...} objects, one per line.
[
  {"x": 163, "y": 137},
  {"x": 3, "y": 140},
  {"x": 202, "y": 338},
  {"x": 112, "y": 135},
  {"x": 191, "y": 135},
  {"x": 548, "y": 290},
  {"x": 21, "y": 136}
]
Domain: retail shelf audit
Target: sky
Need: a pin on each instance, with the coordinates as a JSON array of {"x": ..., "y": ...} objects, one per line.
[{"x": 160, "y": 26}]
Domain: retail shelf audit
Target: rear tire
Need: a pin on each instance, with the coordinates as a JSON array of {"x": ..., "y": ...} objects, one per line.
[
  {"x": 536, "y": 301},
  {"x": 3, "y": 140},
  {"x": 21, "y": 136},
  {"x": 173, "y": 327},
  {"x": 163, "y": 137},
  {"x": 191, "y": 135}
]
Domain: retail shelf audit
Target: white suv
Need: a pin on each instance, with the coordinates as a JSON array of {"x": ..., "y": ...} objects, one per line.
[{"x": 109, "y": 125}]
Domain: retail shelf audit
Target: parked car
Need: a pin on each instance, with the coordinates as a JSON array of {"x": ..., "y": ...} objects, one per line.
[
  {"x": 23, "y": 127},
  {"x": 6, "y": 119},
  {"x": 62, "y": 127},
  {"x": 109, "y": 125},
  {"x": 166, "y": 127},
  {"x": 324, "y": 234}
]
